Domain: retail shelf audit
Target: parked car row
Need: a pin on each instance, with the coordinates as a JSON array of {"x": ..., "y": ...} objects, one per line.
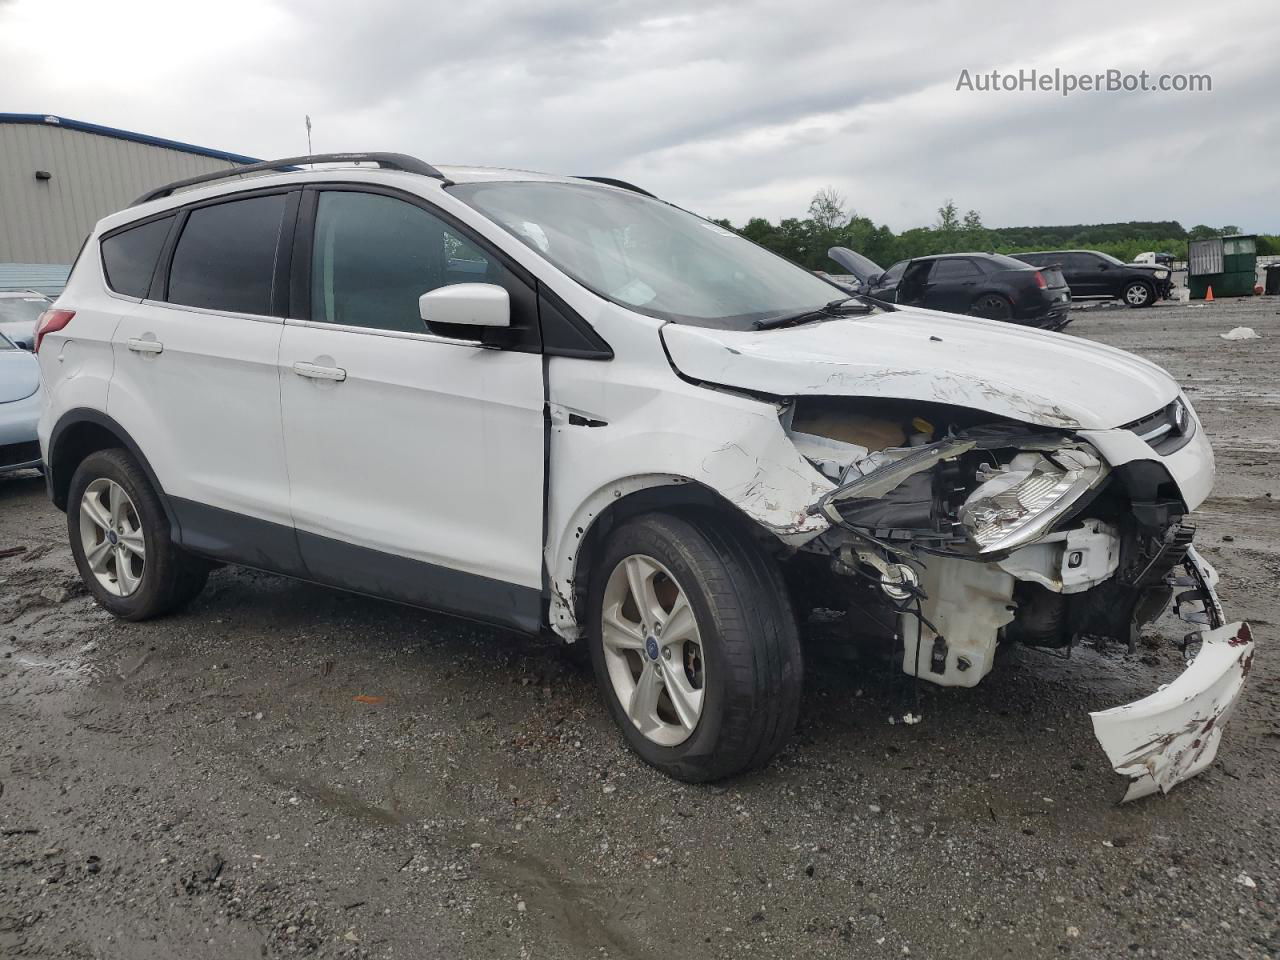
[
  {"x": 984, "y": 284},
  {"x": 1093, "y": 275},
  {"x": 1032, "y": 289}
]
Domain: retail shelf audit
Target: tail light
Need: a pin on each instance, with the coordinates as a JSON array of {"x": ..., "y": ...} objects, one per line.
[
  {"x": 51, "y": 321},
  {"x": 1040, "y": 280}
]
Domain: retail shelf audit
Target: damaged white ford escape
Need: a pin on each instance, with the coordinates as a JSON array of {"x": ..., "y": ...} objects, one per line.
[{"x": 561, "y": 403}]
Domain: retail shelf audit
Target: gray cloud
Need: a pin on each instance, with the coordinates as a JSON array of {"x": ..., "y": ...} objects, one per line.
[{"x": 731, "y": 109}]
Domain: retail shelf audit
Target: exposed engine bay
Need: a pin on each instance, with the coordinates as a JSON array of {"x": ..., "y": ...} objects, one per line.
[{"x": 969, "y": 531}]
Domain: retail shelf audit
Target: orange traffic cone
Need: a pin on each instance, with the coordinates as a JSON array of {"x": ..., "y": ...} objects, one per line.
[{"x": 1208, "y": 295}]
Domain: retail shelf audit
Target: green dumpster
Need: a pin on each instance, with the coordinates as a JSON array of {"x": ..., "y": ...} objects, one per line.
[{"x": 1227, "y": 264}]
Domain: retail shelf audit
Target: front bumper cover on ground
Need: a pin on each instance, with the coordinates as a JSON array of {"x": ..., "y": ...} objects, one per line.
[{"x": 1172, "y": 735}]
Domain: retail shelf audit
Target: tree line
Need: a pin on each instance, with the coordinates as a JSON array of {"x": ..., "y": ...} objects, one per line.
[{"x": 831, "y": 223}]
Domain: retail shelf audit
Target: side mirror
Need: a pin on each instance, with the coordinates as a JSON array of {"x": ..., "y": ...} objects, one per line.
[{"x": 472, "y": 304}]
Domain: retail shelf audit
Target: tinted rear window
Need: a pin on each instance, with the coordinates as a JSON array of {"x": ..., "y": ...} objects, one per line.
[
  {"x": 955, "y": 270},
  {"x": 226, "y": 256},
  {"x": 129, "y": 257}
]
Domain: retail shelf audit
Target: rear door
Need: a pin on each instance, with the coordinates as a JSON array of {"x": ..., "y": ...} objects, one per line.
[
  {"x": 952, "y": 285},
  {"x": 196, "y": 382},
  {"x": 1086, "y": 276},
  {"x": 415, "y": 455}
]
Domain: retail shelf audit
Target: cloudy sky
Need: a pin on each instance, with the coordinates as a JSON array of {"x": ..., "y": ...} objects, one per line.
[{"x": 732, "y": 110}]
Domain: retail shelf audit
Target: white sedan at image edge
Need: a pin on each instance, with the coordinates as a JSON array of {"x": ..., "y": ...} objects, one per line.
[{"x": 19, "y": 408}]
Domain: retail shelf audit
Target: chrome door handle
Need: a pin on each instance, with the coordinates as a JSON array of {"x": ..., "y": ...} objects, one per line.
[
  {"x": 138, "y": 345},
  {"x": 314, "y": 372}
]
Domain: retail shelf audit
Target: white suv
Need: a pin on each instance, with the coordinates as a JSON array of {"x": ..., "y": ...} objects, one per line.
[{"x": 560, "y": 403}]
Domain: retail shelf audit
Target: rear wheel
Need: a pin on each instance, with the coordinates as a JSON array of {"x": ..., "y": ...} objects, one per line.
[
  {"x": 1139, "y": 294},
  {"x": 993, "y": 307},
  {"x": 120, "y": 539},
  {"x": 694, "y": 646}
]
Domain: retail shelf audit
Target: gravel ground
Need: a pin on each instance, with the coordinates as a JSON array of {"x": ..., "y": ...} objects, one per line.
[{"x": 212, "y": 785}]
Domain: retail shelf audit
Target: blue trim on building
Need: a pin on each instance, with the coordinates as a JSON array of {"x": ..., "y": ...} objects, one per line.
[
  {"x": 48, "y": 278},
  {"x": 49, "y": 120}
]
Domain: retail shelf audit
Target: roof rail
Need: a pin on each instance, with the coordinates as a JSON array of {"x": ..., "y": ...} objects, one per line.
[
  {"x": 389, "y": 161},
  {"x": 610, "y": 181}
]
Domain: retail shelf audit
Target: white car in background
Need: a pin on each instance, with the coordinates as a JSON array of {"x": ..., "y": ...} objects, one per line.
[{"x": 559, "y": 403}]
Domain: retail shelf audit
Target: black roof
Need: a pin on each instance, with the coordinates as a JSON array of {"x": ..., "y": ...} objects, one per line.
[{"x": 944, "y": 256}]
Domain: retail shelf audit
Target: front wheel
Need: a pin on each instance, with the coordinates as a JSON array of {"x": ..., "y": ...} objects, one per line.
[
  {"x": 120, "y": 540},
  {"x": 695, "y": 646},
  {"x": 1139, "y": 294}
]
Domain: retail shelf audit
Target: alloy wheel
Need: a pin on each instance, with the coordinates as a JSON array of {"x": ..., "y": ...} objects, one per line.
[
  {"x": 993, "y": 307},
  {"x": 111, "y": 535},
  {"x": 653, "y": 650},
  {"x": 1136, "y": 295}
]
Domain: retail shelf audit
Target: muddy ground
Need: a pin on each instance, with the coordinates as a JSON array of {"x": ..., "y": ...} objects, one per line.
[{"x": 209, "y": 785}]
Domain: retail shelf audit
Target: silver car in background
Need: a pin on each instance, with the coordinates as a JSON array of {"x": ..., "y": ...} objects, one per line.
[
  {"x": 19, "y": 311},
  {"x": 19, "y": 408}
]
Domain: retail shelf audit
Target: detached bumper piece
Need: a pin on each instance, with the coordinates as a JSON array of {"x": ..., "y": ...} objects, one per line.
[{"x": 1173, "y": 734}]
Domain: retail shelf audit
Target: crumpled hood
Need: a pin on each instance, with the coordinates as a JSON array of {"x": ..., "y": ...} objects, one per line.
[
  {"x": 1047, "y": 379},
  {"x": 19, "y": 375}
]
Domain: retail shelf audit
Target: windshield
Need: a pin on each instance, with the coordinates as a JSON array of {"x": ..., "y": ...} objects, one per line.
[
  {"x": 21, "y": 308},
  {"x": 6, "y": 343},
  {"x": 1110, "y": 259},
  {"x": 649, "y": 256}
]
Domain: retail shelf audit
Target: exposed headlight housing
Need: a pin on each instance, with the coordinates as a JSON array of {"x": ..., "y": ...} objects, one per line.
[
  {"x": 1017, "y": 502},
  {"x": 1162, "y": 274}
]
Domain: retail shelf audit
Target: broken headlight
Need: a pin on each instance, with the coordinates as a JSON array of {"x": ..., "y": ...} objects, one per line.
[{"x": 1017, "y": 502}]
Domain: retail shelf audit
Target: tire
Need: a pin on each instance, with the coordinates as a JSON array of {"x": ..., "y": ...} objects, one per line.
[
  {"x": 747, "y": 654},
  {"x": 167, "y": 578},
  {"x": 1138, "y": 293},
  {"x": 993, "y": 307}
]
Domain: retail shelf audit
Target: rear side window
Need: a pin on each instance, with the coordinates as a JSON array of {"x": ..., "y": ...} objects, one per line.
[
  {"x": 129, "y": 257},
  {"x": 226, "y": 256},
  {"x": 954, "y": 270}
]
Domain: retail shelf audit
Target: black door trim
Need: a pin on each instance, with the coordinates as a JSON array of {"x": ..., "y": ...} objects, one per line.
[{"x": 276, "y": 548}]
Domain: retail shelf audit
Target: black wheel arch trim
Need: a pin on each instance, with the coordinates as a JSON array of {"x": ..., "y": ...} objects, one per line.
[{"x": 55, "y": 475}]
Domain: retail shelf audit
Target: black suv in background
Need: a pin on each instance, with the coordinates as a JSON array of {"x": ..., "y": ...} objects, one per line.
[
  {"x": 1093, "y": 275},
  {"x": 984, "y": 284}
]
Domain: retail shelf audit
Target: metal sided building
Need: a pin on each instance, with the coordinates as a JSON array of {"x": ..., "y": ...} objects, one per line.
[{"x": 58, "y": 177}]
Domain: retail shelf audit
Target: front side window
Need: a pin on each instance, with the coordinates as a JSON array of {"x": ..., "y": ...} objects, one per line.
[
  {"x": 226, "y": 257},
  {"x": 647, "y": 255},
  {"x": 374, "y": 256},
  {"x": 129, "y": 257}
]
